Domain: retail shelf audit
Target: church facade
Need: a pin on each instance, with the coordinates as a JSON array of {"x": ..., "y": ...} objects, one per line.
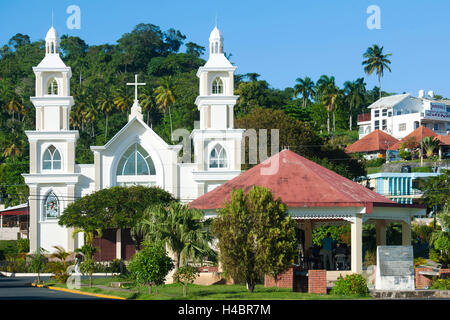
[{"x": 135, "y": 155}]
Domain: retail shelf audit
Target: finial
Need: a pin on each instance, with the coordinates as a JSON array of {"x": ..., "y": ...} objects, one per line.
[
  {"x": 52, "y": 17},
  {"x": 216, "y": 20}
]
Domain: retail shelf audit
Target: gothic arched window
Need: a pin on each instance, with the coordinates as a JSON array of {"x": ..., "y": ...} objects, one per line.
[
  {"x": 218, "y": 157},
  {"x": 136, "y": 162},
  {"x": 52, "y": 87},
  {"x": 51, "y": 159},
  {"x": 217, "y": 86},
  {"x": 51, "y": 206}
]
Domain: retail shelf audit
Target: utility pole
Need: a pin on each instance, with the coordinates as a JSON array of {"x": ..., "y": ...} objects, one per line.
[{"x": 421, "y": 147}]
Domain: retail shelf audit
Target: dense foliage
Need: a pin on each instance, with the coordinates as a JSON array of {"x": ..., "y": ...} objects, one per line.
[
  {"x": 182, "y": 230},
  {"x": 353, "y": 284},
  {"x": 150, "y": 265},
  {"x": 167, "y": 62},
  {"x": 255, "y": 236},
  {"x": 116, "y": 207}
]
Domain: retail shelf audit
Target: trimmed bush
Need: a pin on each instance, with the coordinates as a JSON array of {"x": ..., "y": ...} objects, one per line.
[
  {"x": 351, "y": 285},
  {"x": 441, "y": 284}
]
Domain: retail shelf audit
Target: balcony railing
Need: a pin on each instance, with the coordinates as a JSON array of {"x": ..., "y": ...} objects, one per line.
[{"x": 364, "y": 117}]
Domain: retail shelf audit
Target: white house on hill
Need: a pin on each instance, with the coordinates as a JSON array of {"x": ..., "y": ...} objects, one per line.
[{"x": 399, "y": 115}]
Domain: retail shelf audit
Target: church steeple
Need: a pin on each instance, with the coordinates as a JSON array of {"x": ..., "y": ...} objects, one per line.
[
  {"x": 215, "y": 42},
  {"x": 52, "y": 42}
]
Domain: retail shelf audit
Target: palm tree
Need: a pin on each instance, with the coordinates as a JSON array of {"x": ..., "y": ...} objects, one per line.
[
  {"x": 12, "y": 150},
  {"x": 180, "y": 228},
  {"x": 89, "y": 115},
  {"x": 14, "y": 105},
  {"x": 122, "y": 100},
  {"x": 376, "y": 61},
  {"x": 354, "y": 91},
  {"x": 252, "y": 76},
  {"x": 327, "y": 93},
  {"x": 430, "y": 144},
  {"x": 306, "y": 88},
  {"x": 147, "y": 101},
  {"x": 165, "y": 96},
  {"x": 61, "y": 254},
  {"x": 106, "y": 102}
]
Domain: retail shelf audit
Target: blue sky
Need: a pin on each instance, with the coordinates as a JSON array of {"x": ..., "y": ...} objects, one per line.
[{"x": 281, "y": 40}]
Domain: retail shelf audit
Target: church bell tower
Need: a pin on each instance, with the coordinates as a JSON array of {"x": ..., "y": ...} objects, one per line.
[{"x": 217, "y": 145}]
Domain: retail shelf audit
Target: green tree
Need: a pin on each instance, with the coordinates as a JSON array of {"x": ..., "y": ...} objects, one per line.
[
  {"x": 165, "y": 97},
  {"x": 38, "y": 263},
  {"x": 112, "y": 208},
  {"x": 106, "y": 103},
  {"x": 256, "y": 236},
  {"x": 151, "y": 265},
  {"x": 354, "y": 96},
  {"x": 306, "y": 88},
  {"x": 376, "y": 61},
  {"x": 430, "y": 144},
  {"x": 184, "y": 276},
  {"x": 328, "y": 93},
  {"x": 180, "y": 228}
]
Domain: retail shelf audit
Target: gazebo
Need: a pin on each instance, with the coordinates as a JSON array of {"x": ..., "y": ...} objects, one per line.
[{"x": 315, "y": 196}]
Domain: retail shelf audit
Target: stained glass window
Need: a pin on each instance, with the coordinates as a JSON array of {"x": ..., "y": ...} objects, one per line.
[{"x": 51, "y": 206}]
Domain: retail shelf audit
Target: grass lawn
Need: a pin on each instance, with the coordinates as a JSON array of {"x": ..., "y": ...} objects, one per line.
[{"x": 198, "y": 292}]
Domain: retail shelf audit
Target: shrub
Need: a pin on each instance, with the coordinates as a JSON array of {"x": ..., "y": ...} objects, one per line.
[
  {"x": 419, "y": 262},
  {"x": 59, "y": 270},
  {"x": 150, "y": 265},
  {"x": 441, "y": 284},
  {"x": 16, "y": 264},
  {"x": 185, "y": 275},
  {"x": 375, "y": 162},
  {"x": 23, "y": 245},
  {"x": 118, "y": 266},
  {"x": 353, "y": 284}
]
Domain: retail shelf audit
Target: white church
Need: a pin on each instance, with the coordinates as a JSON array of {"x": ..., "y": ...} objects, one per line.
[{"x": 135, "y": 155}]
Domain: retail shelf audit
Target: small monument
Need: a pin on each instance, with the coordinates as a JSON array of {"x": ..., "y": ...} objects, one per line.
[{"x": 395, "y": 268}]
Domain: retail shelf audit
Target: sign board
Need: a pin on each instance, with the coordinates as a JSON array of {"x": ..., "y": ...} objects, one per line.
[{"x": 395, "y": 268}]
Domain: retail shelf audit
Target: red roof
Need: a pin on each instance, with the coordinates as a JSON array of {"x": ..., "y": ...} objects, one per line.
[
  {"x": 299, "y": 182},
  {"x": 417, "y": 134},
  {"x": 445, "y": 140},
  {"x": 375, "y": 141}
]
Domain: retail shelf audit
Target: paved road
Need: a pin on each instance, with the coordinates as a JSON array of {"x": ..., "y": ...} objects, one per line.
[{"x": 21, "y": 289}]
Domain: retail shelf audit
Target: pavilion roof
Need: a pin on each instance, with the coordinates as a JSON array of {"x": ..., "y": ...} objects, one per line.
[{"x": 299, "y": 182}]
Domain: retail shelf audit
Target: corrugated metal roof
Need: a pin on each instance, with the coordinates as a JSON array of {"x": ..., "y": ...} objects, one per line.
[{"x": 299, "y": 182}]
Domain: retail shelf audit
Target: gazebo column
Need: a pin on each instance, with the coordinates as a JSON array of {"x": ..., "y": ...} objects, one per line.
[
  {"x": 381, "y": 232},
  {"x": 356, "y": 245},
  {"x": 406, "y": 233},
  {"x": 119, "y": 244},
  {"x": 308, "y": 234}
]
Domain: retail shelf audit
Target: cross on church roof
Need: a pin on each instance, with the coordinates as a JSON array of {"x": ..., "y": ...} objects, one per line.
[{"x": 135, "y": 84}]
